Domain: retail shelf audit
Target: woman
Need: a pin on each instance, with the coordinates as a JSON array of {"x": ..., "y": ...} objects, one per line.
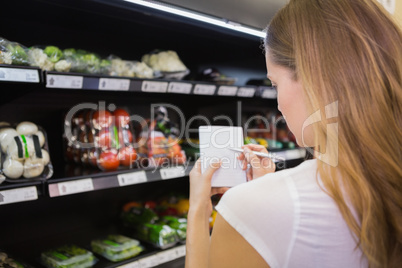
[{"x": 337, "y": 65}]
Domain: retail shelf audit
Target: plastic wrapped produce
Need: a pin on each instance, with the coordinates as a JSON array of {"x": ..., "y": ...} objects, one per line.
[
  {"x": 165, "y": 61},
  {"x": 126, "y": 68},
  {"x": 178, "y": 224},
  {"x": 13, "y": 50},
  {"x": 68, "y": 256},
  {"x": 25, "y": 153},
  {"x": 37, "y": 57},
  {"x": 117, "y": 247},
  {"x": 144, "y": 221}
]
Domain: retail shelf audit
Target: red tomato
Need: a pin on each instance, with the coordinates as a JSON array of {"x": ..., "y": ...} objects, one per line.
[
  {"x": 109, "y": 160},
  {"x": 102, "y": 119},
  {"x": 122, "y": 117},
  {"x": 127, "y": 156},
  {"x": 150, "y": 204},
  {"x": 104, "y": 138},
  {"x": 125, "y": 133}
]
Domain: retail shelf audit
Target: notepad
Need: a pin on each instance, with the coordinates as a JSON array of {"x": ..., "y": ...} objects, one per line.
[{"x": 215, "y": 142}]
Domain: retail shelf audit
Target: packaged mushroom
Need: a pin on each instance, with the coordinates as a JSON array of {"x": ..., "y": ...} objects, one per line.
[{"x": 24, "y": 153}]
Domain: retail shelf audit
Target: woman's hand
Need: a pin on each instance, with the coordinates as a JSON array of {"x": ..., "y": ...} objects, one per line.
[
  {"x": 256, "y": 166},
  {"x": 200, "y": 188}
]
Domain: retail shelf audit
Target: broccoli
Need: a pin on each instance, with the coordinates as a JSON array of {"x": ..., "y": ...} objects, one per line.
[{"x": 54, "y": 53}]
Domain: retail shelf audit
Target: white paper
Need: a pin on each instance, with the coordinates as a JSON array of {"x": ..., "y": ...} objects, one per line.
[{"x": 215, "y": 142}]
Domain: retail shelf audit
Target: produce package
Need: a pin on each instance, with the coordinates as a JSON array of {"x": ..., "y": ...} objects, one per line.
[
  {"x": 7, "y": 261},
  {"x": 113, "y": 138},
  {"x": 167, "y": 63},
  {"x": 116, "y": 247},
  {"x": 163, "y": 144},
  {"x": 144, "y": 222},
  {"x": 68, "y": 256},
  {"x": 213, "y": 75},
  {"x": 50, "y": 58},
  {"x": 127, "y": 68},
  {"x": 12, "y": 53},
  {"x": 176, "y": 223},
  {"x": 25, "y": 153},
  {"x": 101, "y": 139}
]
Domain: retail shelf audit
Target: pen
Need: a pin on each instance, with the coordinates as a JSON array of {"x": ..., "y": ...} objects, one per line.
[{"x": 256, "y": 153}]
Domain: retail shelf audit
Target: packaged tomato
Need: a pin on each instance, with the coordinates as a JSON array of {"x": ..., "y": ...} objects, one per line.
[
  {"x": 113, "y": 139},
  {"x": 163, "y": 146}
]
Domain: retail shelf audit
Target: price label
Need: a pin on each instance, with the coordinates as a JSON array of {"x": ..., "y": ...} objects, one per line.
[
  {"x": 19, "y": 75},
  {"x": 134, "y": 264},
  {"x": 64, "y": 81},
  {"x": 18, "y": 195},
  {"x": 181, "y": 251},
  {"x": 132, "y": 178},
  {"x": 246, "y": 92},
  {"x": 227, "y": 91},
  {"x": 204, "y": 89},
  {"x": 181, "y": 88},
  {"x": 114, "y": 84},
  {"x": 73, "y": 187},
  {"x": 170, "y": 173},
  {"x": 152, "y": 86},
  {"x": 167, "y": 256},
  {"x": 150, "y": 261},
  {"x": 269, "y": 94}
]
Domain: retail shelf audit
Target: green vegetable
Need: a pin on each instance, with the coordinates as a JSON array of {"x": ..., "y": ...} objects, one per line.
[
  {"x": 139, "y": 215},
  {"x": 54, "y": 53},
  {"x": 69, "y": 52},
  {"x": 68, "y": 256},
  {"x": 18, "y": 54},
  {"x": 178, "y": 224}
]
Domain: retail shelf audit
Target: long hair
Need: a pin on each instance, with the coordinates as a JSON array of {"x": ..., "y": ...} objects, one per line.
[{"x": 349, "y": 52}]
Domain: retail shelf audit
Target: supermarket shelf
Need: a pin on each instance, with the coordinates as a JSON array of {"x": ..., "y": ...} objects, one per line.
[
  {"x": 19, "y": 192},
  {"x": 74, "y": 185},
  {"x": 112, "y": 83},
  {"x": 25, "y": 74},
  {"x": 20, "y": 74},
  {"x": 56, "y": 187}
]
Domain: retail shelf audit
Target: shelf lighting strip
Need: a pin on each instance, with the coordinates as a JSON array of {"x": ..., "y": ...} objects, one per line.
[{"x": 199, "y": 17}]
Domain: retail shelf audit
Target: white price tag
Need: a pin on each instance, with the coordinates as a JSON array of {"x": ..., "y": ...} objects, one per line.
[
  {"x": 18, "y": 195},
  {"x": 173, "y": 172},
  {"x": 152, "y": 86},
  {"x": 132, "y": 178},
  {"x": 181, "y": 251},
  {"x": 150, "y": 261},
  {"x": 246, "y": 92},
  {"x": 269, "y": 94},
  {"x": 134, "y": 264},
  {"x": 227, "y": 91},
  {"x": 64, "y": 81},
  {"x": 73, "y": 187},
  {"x": 167, "y": 256},
  {"x": 19, "y": 75},
  {"x": 181, "y": 88},
  {"x": 114, "y": 84},
  {"x": 204, "y": 89}
]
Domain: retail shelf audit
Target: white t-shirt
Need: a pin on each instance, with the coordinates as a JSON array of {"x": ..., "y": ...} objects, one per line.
[{"x": 290, "y": 221}]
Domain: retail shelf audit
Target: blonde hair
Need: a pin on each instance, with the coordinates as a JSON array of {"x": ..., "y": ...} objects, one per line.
[{"x": 350, "y": 51}]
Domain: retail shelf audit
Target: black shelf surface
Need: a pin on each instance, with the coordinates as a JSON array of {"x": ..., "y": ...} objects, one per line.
[
  {"x": 77, "y": 81},
  {"x": 105, "y": 180}
]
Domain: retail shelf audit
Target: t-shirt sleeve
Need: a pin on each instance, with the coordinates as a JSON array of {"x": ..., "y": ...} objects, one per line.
[{"x": 264, "y": 211}]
